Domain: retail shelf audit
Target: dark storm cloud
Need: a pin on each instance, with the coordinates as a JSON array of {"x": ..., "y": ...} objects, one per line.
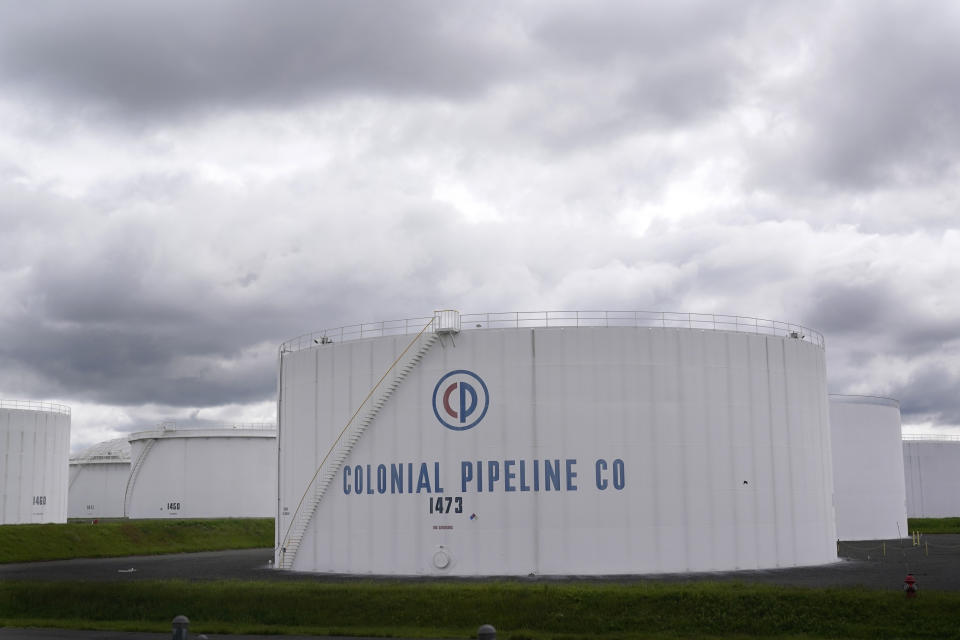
[
  {"x": 617, "y": 69},
  {"x": 659, "y": 96},
  {"x": 849, "y": 309},
  {"x": 125, "y": 350},
  {"x": 91, "y": 326},
  {"x": 90, "y": 314},
  {"x": 667, "y": 63},
  {"x": 880, "y": 313},
  {"x": 118, "y": 309},
  {"x": 931, "y": 393},
  {"x": 870, "y": 325},
  {"x": 930, "y": 334},
  {"x": 684, "y": 89},
  {"x": 148, "y": 59},
  {"x": 131, "y": 366},
  {"x": 877, "y": 106},
  {"x": 608, "y": 32}
]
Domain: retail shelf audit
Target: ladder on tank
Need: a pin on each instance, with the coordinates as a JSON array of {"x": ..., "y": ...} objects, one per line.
[
  {"x": 132, "y": 478},
  {"x": 351, "y": 433}
]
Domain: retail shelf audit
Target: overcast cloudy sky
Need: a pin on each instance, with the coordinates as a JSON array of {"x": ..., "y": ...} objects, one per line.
[{"x": 183, "y": 185}]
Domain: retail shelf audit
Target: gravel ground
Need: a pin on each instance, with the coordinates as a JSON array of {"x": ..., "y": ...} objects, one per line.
[{"x": 873, "y": 563}]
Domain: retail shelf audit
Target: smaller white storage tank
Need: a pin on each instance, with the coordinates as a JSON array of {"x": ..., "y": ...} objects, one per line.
[
  {"x": 932, "y": 468},
  {"x": 34, "y": 448},
  {"x": 869, "y": 493},
  {"x": 98, "y": 479},
  {"x": 207, "y": 472}
]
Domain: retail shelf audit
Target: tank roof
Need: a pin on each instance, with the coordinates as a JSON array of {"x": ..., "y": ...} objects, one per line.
[
  {"x": 877, "y": 400},
  {"x": 35, "y": 405},
  {"x": 441, "y": 323},
  {"x": 239, "y": 430},
  {"x": 116, "y": 450}
]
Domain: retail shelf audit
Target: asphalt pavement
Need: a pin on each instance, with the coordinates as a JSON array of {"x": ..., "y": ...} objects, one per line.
[{"x": 878, "y": 564}]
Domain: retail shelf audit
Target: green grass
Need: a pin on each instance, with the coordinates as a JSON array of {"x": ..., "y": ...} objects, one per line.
[
  {"x": 517, "y": 610},
  {"x": 35, "y": 542},
  {"x": 934, "y": 525}
]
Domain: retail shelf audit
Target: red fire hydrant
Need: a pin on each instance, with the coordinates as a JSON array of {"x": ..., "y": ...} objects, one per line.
[{"x": 910, "y": 586}]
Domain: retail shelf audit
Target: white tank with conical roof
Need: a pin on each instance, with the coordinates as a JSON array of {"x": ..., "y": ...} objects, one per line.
[{"x": 98, "y": 478}]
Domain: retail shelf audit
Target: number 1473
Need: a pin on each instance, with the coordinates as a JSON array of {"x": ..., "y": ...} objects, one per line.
[{"x": 443, "y": 504}]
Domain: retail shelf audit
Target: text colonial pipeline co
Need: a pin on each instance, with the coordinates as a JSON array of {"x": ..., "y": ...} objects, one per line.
[{"x": 480, "y": 476}]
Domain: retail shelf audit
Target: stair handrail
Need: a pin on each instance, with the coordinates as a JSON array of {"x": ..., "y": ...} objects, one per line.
[
  {"x": 74, "y": 480},
  {"x": 134, "y": 472},
  {"x": 293, "y": 518}
]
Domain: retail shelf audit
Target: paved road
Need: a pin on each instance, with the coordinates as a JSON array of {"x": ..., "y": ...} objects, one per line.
[
  {"x": 861, "y": 563},
  {"x": 247, "y": 564}
]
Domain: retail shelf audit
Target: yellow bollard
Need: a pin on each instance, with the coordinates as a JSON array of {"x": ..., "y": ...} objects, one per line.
[
  {"x": 884, "y": 549},
  {"x": 926, "y": 548}
]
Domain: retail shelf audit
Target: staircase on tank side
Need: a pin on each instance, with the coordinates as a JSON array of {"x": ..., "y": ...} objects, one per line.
[
  {"x": 132, "y": 478},
  {"x": 73, "y": 480},
  {"x": 344, "y": 444}
]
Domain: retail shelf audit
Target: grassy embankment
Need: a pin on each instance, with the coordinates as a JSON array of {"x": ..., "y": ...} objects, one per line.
[
  {"x": 933, "y": 525},
  {"x": 35, "y": 542},
  {"x": 517, "y": 610},
  {"x": 425, "y": 609}
]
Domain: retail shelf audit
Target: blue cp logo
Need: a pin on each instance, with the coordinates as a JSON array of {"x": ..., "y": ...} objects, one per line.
[{"x": 460, "y": 400}]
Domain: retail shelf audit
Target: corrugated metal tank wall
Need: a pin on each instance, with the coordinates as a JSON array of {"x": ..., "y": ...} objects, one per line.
[
  {"x": 720, "y": 441},
  {"x": 96, "y": 490},
  {"x": 868, "y": 476},
  {"x": 98, "y": 480},
  {"x": 204, "y": 473},
  {"x": 34, "y": 449},
  {"x": 932, "y": 470}
]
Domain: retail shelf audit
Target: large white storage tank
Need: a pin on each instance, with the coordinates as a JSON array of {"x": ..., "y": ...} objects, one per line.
[
  {"x": 554, "y": 443},
  {"x": 932, "y": 469},
  {"x": 220, "y": 472},
  {"x": 34, "y": 449},
  {"x": 98, "y": 479},
  {"x": 869, "y": 491}
]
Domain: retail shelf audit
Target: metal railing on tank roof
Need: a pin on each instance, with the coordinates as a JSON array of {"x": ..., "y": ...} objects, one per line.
[
  {"x": 404, "y": 327},
  {"x": 173, "y": 426},
  {"x": 35, "y": 405},
  {"x": 931, "y": 437},
  {"x": 170, "y": 429},
  {"x": 117, "y": 457},
  {"x": 556, "y": 319},
  {"x": 652, "y": 319}
]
